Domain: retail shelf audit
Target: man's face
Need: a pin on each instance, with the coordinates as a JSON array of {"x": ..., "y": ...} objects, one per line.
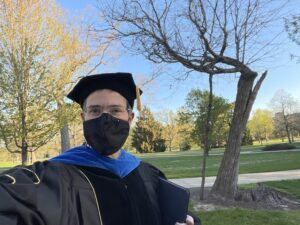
[{"x": 107, "y": 101}]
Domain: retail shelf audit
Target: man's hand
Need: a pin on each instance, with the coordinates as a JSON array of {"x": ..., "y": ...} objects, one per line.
[{"x": 189, "y": 221}]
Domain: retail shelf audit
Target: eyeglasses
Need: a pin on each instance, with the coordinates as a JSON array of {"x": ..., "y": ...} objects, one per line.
[{"x": 114, "y": 110}]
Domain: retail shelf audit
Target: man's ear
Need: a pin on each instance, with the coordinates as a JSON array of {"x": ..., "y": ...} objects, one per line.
[{"x": 131, "y": 117}]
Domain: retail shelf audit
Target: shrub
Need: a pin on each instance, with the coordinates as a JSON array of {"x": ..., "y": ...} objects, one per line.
[
  {"x": 184, "y": 146},
  {"x": 247, "y": 138},
  {"x": 275, "y": 147},
  {"x": 160, "y": 145}
]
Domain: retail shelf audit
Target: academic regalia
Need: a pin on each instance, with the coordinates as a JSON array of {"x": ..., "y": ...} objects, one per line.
[
  {"x": 122, "y": 83},
  {"x": 126, "y": 188},
  {"x": 52, "y": 193},
  {"x": 125, "y": 200}
]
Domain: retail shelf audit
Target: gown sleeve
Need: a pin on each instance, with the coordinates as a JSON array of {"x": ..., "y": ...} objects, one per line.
[{"x": 32, "y": 195}]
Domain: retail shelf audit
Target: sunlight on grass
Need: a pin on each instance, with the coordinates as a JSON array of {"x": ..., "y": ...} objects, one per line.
[
  {"x": 250, "y": 217},
  {"x": 189, "y": 165}
]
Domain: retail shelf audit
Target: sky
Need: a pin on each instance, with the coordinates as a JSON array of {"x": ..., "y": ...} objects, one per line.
[{"x": 167, "y": 93}]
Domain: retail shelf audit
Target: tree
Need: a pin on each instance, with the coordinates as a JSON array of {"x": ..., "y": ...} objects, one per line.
[
  {"x": 170, "y": 128},
  {"x": 27, "y": 109},
  {"x": 77, "y": 48},
  {"x": 284, "y": 105},
  {"x": 279, "y": 130},
  {"x": 196, "y": 110},
  {"x": 247, "y": 137},
  {"x": 207, "y": 131},
  {"x": 206, "y": 110},
  {"x": 292, "y": 26},
  {"x": 261, "y": 125},
  {"x": 296, "y": 122},
  {"x": 147, "y": 134},
  {"x": 185, "y": 126},
  {"x": 213, "y": 37},
  {"x": 39, "y": 54}
]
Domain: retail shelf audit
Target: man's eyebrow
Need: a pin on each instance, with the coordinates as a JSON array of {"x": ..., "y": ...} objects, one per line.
[
  {"x": 94, "y": 106},
  {"x": 114, "y": 105}
]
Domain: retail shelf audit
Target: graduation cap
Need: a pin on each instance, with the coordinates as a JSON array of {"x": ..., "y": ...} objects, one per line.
[{"x": 122, "y": 83}]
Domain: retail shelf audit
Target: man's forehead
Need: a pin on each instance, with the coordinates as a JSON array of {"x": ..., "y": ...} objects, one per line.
[{"x": 105, "y": 96}]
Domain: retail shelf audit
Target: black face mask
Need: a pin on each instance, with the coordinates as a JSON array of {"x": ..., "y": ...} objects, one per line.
[{"x": 106, "y": 134}]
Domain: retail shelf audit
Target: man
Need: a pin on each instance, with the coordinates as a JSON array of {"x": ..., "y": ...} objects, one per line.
[{"x": 96, "y": 183}]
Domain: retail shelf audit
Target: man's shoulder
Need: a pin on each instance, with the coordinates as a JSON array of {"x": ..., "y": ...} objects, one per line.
[
  {"x": 145, "y": 166},
  {"x": 37, "y": 171}
]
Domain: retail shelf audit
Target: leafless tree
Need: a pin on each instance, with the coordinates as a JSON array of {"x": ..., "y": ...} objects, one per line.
[
  {"x": 206, "y": 139},
  {"x": 285, "y": 108},
  {"x": 292, "y": 27},
  {"x": 212, "y": 37}
]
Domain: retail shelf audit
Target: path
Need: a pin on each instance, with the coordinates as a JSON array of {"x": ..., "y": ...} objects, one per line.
[{"x": 247, "y": 178}]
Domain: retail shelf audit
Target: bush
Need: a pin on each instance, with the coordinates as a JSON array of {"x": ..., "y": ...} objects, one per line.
[
  {"x": 184, "y": 146},
  {"x": 160, "y": 145},
  {"x": 275, "y": 147},
  {"x": 247, "y": 138}
]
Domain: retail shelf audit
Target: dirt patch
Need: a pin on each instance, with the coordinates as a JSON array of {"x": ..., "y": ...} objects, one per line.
[{"x": 257, "y": 198}]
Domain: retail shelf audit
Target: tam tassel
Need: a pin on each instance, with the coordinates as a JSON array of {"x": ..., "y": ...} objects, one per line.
[{"x": 138, "y": 100}]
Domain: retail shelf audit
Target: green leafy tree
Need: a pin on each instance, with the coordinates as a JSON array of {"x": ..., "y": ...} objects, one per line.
[
  {"x": 147, "y": 135},
  {"x": 261, "y": 125},
  {"x": 185, "y": 128},
  {"x": 39, "y": 55},
  {"x": 170, "y": 128},
  {"x": 27, "y": 110},
  {"x": 195, "y": 111}
]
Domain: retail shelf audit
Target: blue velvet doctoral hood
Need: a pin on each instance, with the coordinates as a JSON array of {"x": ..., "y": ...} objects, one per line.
[{"x": 86, "y": 156}]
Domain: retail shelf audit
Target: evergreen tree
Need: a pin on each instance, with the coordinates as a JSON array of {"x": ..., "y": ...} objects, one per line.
[
  {"x": 147, "y": 134},
  {"x": 247, "y": 137}
]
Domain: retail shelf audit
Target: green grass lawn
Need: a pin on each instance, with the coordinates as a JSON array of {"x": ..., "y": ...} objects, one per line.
[
  {"x": 292, "y": 187},
  {"x": 240, "y": 216},
  {"x": 6, "y": 165},
  {"x": 188, "y": 164},
  {"x": 237, "y": 216}
]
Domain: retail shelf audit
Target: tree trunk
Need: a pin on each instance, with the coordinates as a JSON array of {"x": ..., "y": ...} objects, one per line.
[
  {"x": 24, "y": 146},
  {"x": 287, "y": 129},
  {"x": 65, "y": 138},
  {"x": 225, "y": 185},
  {"x": 206, "y": 140},
  {"x": 64, "y": 130},
  {"x": 288, "y": 133},
  {"x": 24, "y": 152}
]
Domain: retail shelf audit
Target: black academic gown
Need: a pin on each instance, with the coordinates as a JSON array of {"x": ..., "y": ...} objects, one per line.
[
  {"x": 51, "y": 193},
  {"x": 130, "y": 200}
]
